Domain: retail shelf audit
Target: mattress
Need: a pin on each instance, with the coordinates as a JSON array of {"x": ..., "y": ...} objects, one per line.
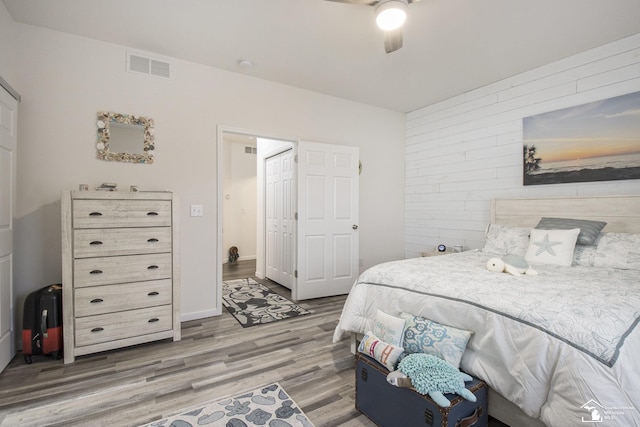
[{"x": 559, "y": 345}]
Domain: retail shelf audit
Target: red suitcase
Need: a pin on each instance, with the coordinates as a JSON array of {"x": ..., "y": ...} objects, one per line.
[{"x": 42, "y": 323}]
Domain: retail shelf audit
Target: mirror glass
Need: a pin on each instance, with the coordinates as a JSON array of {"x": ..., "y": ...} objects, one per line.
[{"x": 125, "y": 138}]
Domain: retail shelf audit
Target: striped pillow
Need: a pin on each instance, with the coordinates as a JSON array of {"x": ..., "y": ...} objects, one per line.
[
  {"x": 589, "y": 230},
  {"x": 383, "y": 352}
]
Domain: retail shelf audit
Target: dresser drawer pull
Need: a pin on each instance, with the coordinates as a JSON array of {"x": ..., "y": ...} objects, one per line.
[
  {"x": 153, "y": 293},
  {"x": 155, "y": 319},
  {"x": 95, "y": 243},
  {"x": 96, "y": 300},
  {"x": 95, "y": 214},
  {"x": 152, "y": 213},
  {"x": 152, "y": 240},
  {"x": 95, "y": 272},
  {"x": 153, "y": 267},
  {"x": 97, "y": 329}
]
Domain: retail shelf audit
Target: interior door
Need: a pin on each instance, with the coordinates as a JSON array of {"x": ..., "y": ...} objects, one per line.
[
  {"x": 328, "y": 209},
  {"x": 8, "y": 142},
  {"x": 279, "y": 221}
]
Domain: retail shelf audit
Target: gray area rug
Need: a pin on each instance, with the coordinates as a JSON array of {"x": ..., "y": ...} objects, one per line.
[
  {"x": 268, "y": 406},
  {"x": 252, "y": 303}
]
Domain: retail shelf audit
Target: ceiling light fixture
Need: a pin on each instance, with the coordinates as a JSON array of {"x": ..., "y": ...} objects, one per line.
[{"x": 391, "y": 14}]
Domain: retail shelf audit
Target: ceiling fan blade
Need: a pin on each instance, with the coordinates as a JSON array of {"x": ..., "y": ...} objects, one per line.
[{"x": 392, "y": 40}]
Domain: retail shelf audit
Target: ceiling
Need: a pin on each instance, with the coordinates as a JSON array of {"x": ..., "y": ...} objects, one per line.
[{"x": 450, "y": 46}]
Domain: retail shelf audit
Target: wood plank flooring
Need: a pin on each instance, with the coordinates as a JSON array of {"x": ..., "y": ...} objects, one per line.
[{"x": 215, "y": 358}]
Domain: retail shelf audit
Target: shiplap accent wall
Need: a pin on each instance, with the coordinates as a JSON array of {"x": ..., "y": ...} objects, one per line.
[{"x": 464, "y": 151}]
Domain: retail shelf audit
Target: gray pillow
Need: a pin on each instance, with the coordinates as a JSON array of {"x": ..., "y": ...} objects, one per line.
[{"x": 589, "y": 230}]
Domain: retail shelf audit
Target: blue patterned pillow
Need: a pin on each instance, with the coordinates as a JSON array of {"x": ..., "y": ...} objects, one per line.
[{"x": 422, "y": 335}]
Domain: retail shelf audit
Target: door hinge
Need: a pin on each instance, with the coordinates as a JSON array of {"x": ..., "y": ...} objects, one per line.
[
  {"x": 295, "y": 216},
  {"x": 295, "y": 273},
  {"x": 295, "y": 158}
]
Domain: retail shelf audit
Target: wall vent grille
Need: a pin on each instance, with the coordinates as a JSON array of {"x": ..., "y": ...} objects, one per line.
[
  {"x": 251, "y": 150},
  {"x": 137, "y": 63}
]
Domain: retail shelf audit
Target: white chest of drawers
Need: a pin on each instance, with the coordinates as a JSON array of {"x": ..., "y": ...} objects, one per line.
[{"x": 120, "y": 270}]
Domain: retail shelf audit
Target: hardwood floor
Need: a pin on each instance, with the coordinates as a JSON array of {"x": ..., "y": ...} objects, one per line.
[{"x": 215, "y": 358}]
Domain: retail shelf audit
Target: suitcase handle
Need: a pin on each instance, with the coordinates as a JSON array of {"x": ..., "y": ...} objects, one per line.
[
  {"x": 471, "y": 420},
  {"x": 43, "y": 324}
]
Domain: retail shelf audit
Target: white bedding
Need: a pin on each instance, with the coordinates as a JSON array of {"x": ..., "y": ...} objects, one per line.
[{"x": 551, "y": 343}]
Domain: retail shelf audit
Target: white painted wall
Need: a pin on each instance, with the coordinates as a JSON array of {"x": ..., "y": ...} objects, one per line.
[
  {"x": 239, "y": 201},
  {"x": 464, "y": 151},
  {"x": 65, "y": 79},
  {"x": 8, "y": 69}
]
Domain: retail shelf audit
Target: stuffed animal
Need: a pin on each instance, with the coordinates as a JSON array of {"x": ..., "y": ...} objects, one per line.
[
  {"x": 431, "y": 375},
  {"x": 512, "y": 264}
]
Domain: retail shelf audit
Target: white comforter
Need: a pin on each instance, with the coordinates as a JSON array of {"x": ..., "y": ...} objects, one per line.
[{"x": 553, "y": 344}]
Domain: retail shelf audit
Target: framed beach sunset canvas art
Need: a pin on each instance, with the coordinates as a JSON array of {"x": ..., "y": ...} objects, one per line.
[{"x": 599, "y": 141}]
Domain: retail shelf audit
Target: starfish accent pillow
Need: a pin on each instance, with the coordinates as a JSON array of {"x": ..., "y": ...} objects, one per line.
[{"x": 552, "y": 246}]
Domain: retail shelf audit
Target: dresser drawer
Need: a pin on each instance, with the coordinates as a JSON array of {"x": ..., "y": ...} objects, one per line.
[
  {"x": 116, "y": 326},
  {"x": 121, "y": 241},
  {"x": 121, "y": 269},
  {"x": 129, "y": 296},
  {"x": 121, "y": 213}
]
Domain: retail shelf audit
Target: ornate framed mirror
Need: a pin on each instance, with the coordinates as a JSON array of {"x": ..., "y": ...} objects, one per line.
[{"x": 125, "y": 138}]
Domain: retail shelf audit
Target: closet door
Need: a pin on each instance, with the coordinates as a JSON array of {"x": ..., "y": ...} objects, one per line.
[
  {"x": 8, "y": 143},
  {"x": 279, "y": 224}
]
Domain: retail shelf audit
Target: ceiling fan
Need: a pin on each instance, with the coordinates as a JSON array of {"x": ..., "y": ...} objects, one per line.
[{"x": 390, "y": 16}]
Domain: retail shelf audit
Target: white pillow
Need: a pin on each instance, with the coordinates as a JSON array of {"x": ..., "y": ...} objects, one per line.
[
  {"x": 618, "y": 250},
  {"x": 552, "y": 246},
  {"x": 383, "y": 352},
  {"x": 505, "y": 239},
  {"x": 389, "y": 328}
]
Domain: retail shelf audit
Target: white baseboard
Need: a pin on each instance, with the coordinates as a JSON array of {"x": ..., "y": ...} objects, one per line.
[
  {"x": 200, "y": 315},
  {"x": 242, "y": 258}
]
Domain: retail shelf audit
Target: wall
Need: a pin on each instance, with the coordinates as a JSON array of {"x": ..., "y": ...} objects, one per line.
[
  {"x": 65, "y": 79},
  {"x": 462, "y": 152},
  {"x": 239, "y": 200},
  {"x": 7, "y": 47}
]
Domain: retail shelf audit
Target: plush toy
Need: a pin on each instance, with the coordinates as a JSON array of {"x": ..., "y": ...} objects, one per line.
[
  {"x": 431, "y": 375},
  {"x": 512, "y": 264}
]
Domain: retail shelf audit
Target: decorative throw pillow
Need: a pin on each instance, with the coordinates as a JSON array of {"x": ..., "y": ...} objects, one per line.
[
  {"x": 618, "y": 250},
  {"x": 383, "y": 352},
  {"x": 505, "y": 239},
  {"x": 589, "y": 230},
  {"x": 426, "y": 336},
  {"x": 389, "y": 328},
  {"x": 552, "y": 246},
  {"x": 584, "y": 256}
]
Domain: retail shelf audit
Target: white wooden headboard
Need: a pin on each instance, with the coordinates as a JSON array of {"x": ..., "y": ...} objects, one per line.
[{"x": 622, "y": 213}]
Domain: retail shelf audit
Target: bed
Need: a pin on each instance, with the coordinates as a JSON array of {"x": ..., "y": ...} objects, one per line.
[{"x": 552, "y": 347}]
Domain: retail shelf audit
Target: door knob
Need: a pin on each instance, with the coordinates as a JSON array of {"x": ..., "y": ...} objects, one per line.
[{"x": 354, "y": 226}]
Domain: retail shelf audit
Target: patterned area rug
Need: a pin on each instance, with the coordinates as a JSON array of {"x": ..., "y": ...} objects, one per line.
[
  {"x": 267, "y": 406},
  {"x": 254, "y": 304}
]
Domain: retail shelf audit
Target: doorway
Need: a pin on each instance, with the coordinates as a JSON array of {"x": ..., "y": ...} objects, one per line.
[{"x": 244, "y": 206}]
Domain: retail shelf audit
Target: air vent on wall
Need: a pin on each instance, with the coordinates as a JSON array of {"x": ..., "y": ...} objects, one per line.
[
  {"x": 154, "y": 67},
  {"x": 251, "y": 150}
]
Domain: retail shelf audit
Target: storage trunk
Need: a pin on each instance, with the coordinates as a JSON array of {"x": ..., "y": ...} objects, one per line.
[
  {"x": 42, "y": 323},
  {"x": 391, "y": 406}
]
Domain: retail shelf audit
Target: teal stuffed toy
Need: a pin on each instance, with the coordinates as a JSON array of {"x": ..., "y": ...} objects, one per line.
[{"x": 431, "y": 375}]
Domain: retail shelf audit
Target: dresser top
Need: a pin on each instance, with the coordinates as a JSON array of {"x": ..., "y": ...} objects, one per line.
[{"x": 119, "y": 195}]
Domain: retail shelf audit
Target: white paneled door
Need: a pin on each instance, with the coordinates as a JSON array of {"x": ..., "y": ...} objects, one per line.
[
  {"x": 279, "y": 221},
  {"x": 8, "y": 142},
  {"x": 327, "y": 237}
]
